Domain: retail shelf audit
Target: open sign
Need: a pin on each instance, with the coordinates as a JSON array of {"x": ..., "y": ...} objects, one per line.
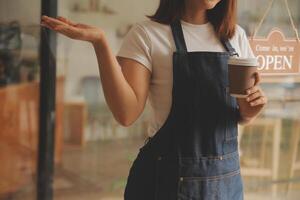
[{"x": 276, "y": 54}]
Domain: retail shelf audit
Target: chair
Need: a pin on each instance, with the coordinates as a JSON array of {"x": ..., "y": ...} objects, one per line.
[
  {"x": 294, "y": 150},
  {"x": 257, "y": 166}
]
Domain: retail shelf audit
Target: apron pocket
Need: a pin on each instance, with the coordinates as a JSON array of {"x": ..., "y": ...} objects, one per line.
[
  {"x": 224, "y": 187},
  {"x": 210, "y": 178}
]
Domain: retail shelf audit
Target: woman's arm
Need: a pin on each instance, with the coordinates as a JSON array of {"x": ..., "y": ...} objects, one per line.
[{"x": 125, "y": 82}]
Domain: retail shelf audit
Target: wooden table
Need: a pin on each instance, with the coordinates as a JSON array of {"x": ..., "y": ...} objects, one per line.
[{"x": 19, "y": 116}]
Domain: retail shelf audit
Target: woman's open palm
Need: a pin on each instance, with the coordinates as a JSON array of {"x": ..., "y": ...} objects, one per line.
[{"x": 71, "y": 29}]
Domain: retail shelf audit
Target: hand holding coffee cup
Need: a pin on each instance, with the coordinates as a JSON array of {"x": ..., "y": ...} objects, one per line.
[
  {"x": 244, "y": 82},
  {"x": 255, "y": 94},
  {"x": 242, "y": 75}
]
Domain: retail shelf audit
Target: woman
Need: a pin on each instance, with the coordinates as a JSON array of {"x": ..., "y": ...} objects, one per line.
[{"x": 179, "y": 57}]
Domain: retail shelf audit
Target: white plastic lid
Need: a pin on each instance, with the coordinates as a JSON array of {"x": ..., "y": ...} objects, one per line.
[{"x": 250, "y": 62}]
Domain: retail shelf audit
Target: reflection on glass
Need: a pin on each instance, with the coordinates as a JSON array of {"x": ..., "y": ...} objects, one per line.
[{"x": 19, "y": 99}]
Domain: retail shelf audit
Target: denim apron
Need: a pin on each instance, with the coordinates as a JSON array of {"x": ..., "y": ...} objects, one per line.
[{"x": 194, "y": 155}]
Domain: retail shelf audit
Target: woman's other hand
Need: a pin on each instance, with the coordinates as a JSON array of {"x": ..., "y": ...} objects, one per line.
[{"x": 73, "y": 30}]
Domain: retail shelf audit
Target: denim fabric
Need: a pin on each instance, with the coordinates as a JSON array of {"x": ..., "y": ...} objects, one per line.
[{"x": 194, "y": 155}]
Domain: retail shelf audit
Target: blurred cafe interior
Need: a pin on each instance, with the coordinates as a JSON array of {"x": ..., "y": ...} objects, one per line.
[{"x": 92, "y": 152}]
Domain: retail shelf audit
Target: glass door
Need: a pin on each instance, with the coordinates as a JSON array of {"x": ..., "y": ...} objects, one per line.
[
  {"x": 31, "y": 131},
  {"x": 270, "y": 153}
]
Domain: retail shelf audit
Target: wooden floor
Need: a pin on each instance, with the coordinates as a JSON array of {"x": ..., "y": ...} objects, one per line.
[{"x": 99, "y": 172}]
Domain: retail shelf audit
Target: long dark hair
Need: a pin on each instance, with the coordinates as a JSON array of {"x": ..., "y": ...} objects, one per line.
[{"x": 222, "y": 16}]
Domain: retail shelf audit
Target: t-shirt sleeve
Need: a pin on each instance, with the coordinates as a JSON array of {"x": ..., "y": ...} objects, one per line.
[
  {"x": 246, "y": 50},
  {"x": 137, "y": 46}
]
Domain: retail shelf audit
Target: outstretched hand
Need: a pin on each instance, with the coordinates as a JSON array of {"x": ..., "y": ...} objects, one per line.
[{"x": 72, "y": 30}]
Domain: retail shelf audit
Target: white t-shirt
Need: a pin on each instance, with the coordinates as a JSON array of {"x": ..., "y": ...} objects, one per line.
[{"x": 151, "y": 44}]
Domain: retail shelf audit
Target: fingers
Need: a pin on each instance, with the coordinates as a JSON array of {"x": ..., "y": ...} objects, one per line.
[
  {"x": 66, "y": 21},
  {"x": 67, "y": 31},
  {"x": 255, "y": 87},
  {"x": 60, "y": 24},
  {"x": 253, "y": 96},
  {"x": 46, "y": 25},
  {"x": 256, "y": 96},
  {"x": 72, "y": 23},
  {"x": 259, "y": 101},
  {"x": 252, "y": 90},
  {"x": 79, "y": 25},
  {"x": 60, "y": 28},
  {"x": 52, "y": 22},
  {"x": 257, "y": 78}
]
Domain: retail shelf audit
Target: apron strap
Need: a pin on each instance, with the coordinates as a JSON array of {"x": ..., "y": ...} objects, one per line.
[
  {"x": 229, "y": 48},
  {"x": 178, "y": 36}
]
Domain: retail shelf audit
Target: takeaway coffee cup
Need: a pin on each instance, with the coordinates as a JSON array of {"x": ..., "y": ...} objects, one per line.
[{"x": 241, "y": 75}]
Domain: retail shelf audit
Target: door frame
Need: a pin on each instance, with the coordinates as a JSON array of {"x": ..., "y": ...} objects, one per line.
[{"x": 46, "y": 144}]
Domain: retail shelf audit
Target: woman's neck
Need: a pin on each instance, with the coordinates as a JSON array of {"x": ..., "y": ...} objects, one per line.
[{"x": 194, "y": 15}]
